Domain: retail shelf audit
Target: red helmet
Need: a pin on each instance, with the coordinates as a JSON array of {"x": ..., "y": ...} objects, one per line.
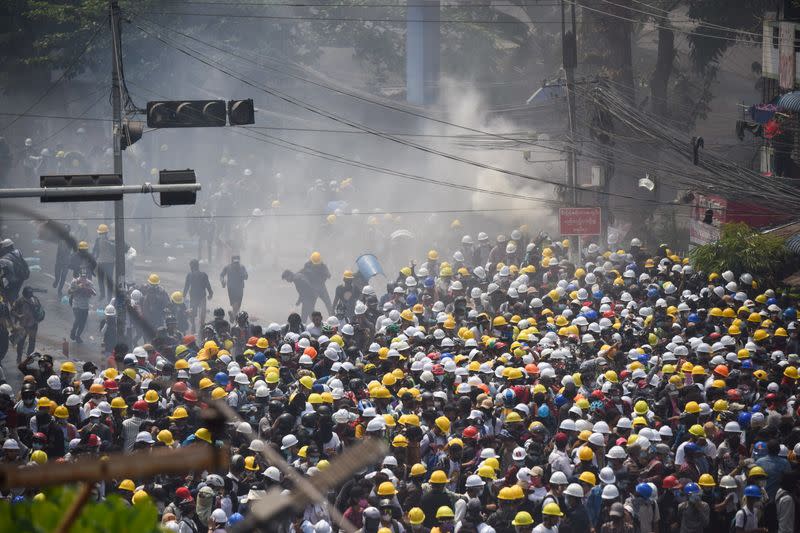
[
  {"x": 110, "y": 385},
  {"x": 40, "y": 436},
  {"x": 470, "y": 432},
  {"x": 190, "y": 396},
  {"x": 733, "y": 395},
  {"x": 608, "y": 314},
  {"x": 249, "y": 371},
  {"x": 140, "y": 405},
  {"x": 722, "y": 370},
  {"x": 714, "y": 336},
  {"x": 179, "y": 387},
  {"x": 251, "y": 342},
  {"x": 438, "y": 370},
  {"x": 433, "y": 356},
  {"x": 670, "y": 482}
]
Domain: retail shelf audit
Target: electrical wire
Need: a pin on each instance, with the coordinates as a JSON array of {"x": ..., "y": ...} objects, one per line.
[{"x": 67, "y": 70}]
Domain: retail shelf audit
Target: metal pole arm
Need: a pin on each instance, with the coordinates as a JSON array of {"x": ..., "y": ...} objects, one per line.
[{"x": 55, "y": 192}]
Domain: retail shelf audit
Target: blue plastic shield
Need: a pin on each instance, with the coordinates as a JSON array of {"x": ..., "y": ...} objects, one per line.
[{"x": 369, "y": 266}]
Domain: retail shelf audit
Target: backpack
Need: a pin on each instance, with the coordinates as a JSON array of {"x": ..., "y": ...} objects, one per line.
[{"x": 38, "y": 310}]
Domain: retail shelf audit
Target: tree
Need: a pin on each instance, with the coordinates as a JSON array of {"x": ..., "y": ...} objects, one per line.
[
  {"x": 741, "y": 249},
  {"x": 113, "y": 514}
]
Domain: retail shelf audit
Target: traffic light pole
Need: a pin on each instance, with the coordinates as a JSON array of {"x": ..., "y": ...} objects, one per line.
[{"x": 119, "y": 205}]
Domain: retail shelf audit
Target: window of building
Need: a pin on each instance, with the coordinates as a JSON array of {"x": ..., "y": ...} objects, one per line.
[{"x": 775, "y": 37}]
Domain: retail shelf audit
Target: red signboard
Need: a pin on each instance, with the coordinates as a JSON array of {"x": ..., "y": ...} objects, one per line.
[{"x": 579, "y": 220}]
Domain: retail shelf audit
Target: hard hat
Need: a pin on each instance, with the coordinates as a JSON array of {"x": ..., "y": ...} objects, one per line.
[
  {"x": 165, "y": 436},
  {"x": 588, "y": 477},
  {"x": 176, "y": 297},
  {"x": 574, "y": 489},
  {"x": 68, "y": 366},
  {"x": 506, "y": 494},
  {"x": 692, "y": 408},
  {"x": 697, "y": 430},
  {"x": 61, "y": 412},
  {"x": 39, "y": 457},
  {"x": 444, "y": 512},
  {"x": 418, "y": 469},
  {"x": 203, "y": 434},
  {"x": 83, "y": 245},
  {"x": 641, "y": 407},
  {"x": 790, "y": 372},
  {"x": 757, "y": 471},
  {"x": 523, "y": 518},
  {"x": 438, "y": 477},
  {"x": 316, "y": 258},
  {"x": 433, "y": 255},
  {"x": 443, "y": 423},
  {"x": 386, "y": 489},
  {"x": 140, "y": 497},
  {"x": 416, "y": 516},
  {"x": 153, "y": 279},
  {"x": 585, "y": 453},
  {"x": 552, "y": 509},
  {"x": 126, "y": 484},
  {"x": 102, "y": 228},
  {"x": 706, "y": 480}
]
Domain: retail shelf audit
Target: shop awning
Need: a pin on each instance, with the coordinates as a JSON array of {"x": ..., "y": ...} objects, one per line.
[{"x": 790, "y": 101}]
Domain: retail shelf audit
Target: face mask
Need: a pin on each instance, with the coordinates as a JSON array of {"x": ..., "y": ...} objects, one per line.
[
  {"x": 386, "y": 516},
  {"x": 695, "y": 497}
]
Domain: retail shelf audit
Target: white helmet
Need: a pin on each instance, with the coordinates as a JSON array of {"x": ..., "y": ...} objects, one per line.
[
  {"x": 575, "y": 490},
  {"x": 558, "y": 478},
  {"x": 610, "y": 492},
  {"x": 475, "y": 481},
  {"x": 607, "y": 475}
]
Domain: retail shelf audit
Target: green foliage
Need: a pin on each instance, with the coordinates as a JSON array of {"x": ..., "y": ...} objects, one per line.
[
  {"x": 111, "y": 515},
  {"x": 740, "y": 249}
]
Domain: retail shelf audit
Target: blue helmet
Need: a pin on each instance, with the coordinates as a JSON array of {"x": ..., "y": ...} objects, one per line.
[
  {"x": 691, "y": 488},
  {"x": 571, "y": 287},
  {"x": 790, "y": 313},
  {"x": 509, "y": 397},
  {"x": 643, "y": 358},
  {"x": 18, "y": 499},
  {"x": 747, "y": 364},
  {"x": 364, "y": 404},
  {"x": 644, "y": 490},
  {"x": 411, "y": 299},
  {"x": 744, "y": 419},
  {"x": 560, "y": 400},
  {"x": 428, "y": 282},
  {"x": 235, "y": 518},
  {"x": 446, "y": 355},
  {"x": 752, "y": 491},
  {"x": 652, "y": 292},
  {"x": 591, "y": 315},
  {"x": 260, "y": 358},
  {"x": 756, "y": 408},
  {"x": 543, "y": 412},
  {"x": 760, "y": 448},
  {"x": 221, "y": 378},
  {"x": 772, "y": 301},
  {"x": 694, "y": 318},
  {"x": 598, "y": 295}
]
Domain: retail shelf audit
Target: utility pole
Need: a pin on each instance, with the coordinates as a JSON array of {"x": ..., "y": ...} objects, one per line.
[
  {"x": 569, "y": 51},
  {"x": 119, "y": 205}
]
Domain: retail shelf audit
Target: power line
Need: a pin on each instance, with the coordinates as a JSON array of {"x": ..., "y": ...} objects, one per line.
[{"x": 64, "y": 74}]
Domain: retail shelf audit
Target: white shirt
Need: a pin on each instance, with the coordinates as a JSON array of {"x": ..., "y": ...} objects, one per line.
[{"x": 710, "y": 450}]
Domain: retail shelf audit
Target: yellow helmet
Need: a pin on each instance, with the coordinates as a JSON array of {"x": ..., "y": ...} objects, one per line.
[
  {"x": 757, "y": 471},
  {"x": 316, "y": 258},
  {"x": 418, "y": 469},
  {"x": 153, "y": 279},
  {"x": 39, "y": 457},
  {"x": 552, "y": 508},
  {"x": 715, "y": 311},
  {"x": 433, "y": 255},
  {"x": 523, "y": 518},
  {"x": 140, "y": 497},
  {"x": 728, "y": 313},
  {"x": 416, "y": 516},
  {"x": 126, "y": 484},
  {"x": 692, "y": 407},
  {"x": 251, "y": 464},
  {"x": 165, "y": 436},
  {"x": 585, "y": 453},
  {"x": 444, "y": 512},
  {"x": 118, "y": 403},
  {"x": 102, "y": 228},
  {"x": 588, "y": 477},
  {"x": 203, "y": 434},
  {"x": 386, "y": 489},
  {"x": 83, "y": 245},
  {"x": 69, "y": 367},
  {"x": 641, "y": 407},
  {"x": 706, "y": 480},
  {"x": 438, "y": 477},
  {"x": 61, "y": 412},
  {"x": 760, "y": 335},
  {"x": 443, "y": 423},
  {"x": 176, "y": 297}
]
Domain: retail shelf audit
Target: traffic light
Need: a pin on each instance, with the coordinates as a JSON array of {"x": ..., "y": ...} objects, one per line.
[
  {"x": 171, "y": 177},
  {"x": 241, "y": 112},
  {"x": 82, "y": 181},
  {"x": 186, "y": 114},
  {"x": 131, "y": 132}
]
